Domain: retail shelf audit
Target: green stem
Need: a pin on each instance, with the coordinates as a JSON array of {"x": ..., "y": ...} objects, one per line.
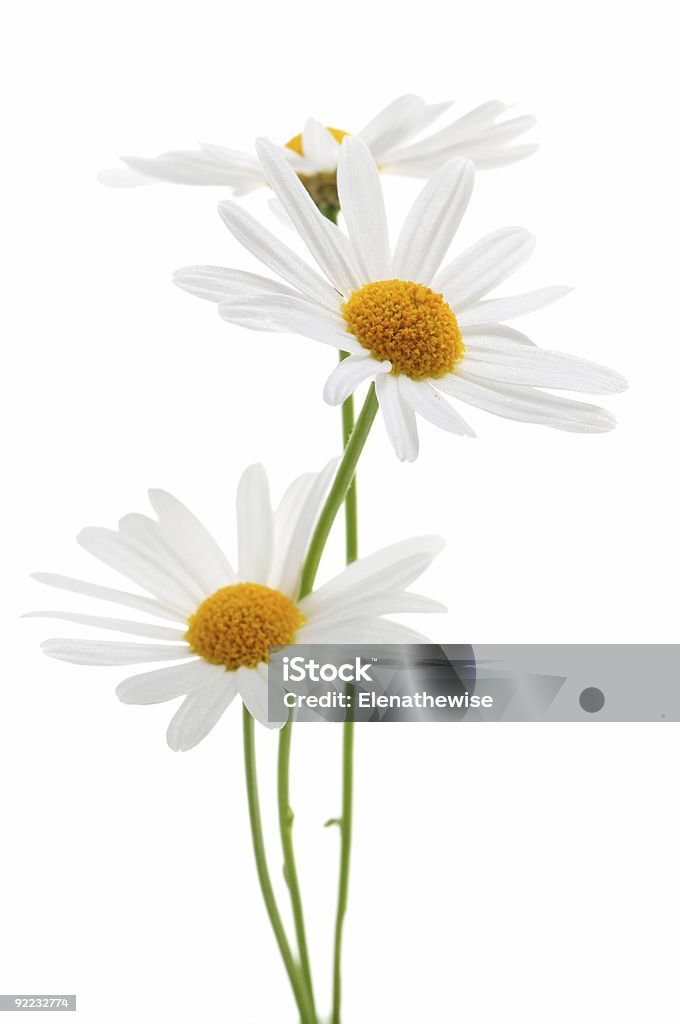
[
  {"x": 294, "y": 975},
  {"x": 341, "y": 484},
  {"x": 286, "y": 818},
  {"x": 345, "y": 852}
]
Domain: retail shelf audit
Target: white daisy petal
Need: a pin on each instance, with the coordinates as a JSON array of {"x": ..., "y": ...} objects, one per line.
[
  {"x": 419, "y": 120},
  {"x": 501, "y": 132},
  {"x": 142, "y": 604},
  {"x": 255, "y": 525},
  {"x": 433, "y": 221},
  {"x": 384, "y": 631},
  {"x": 218, "y": 284},
  {"x": 349, "y": 374},
  {"x": 146, "y": 536},
  {"x": 485, "y": 114},
  {"x": 537, "y": 367},
  {"x": 326, "y": 244},
  {"x": 291, "y": 315},
  {"x": 268, "y": 249},
  {"x": 286, "y": 518},
  {"x": 254, "y": 692},
  {"x": 169, "y": 682},
  {"x": 360, "y": 631},
  {"x": 484, "y": 266},
  {"x": 118, "y": 625},
  {"x": 491, "y": 311},
  {"x": 319, "y": 146},
  {"x": 288, "y": 580},
  {"x": 394, "y": 123},
  {"x": 361, "y": 199},
  {"x": 120, "y": 554},
  {"x": 200, "y": 712},
  {"x": 244, "y": 164},
  {"x": 200, "y": 167},
  {"x": 394, "y": 603},
  {"x": 400, "y": 420},
  {"x": 528, "y": 405},
  {"x": 492, "y": 338},
  {"x": 112, "y": 652},
  {"x": 423, "y": 399},
  {"x": 187, "y": 534},
  {"x": 392, "y": 568},
  {"x": 491, "y": 135},
  {"x": 423, "y": 168},
  {"x": 503, "y": 156},
  {"x": 464, "y": 137}
]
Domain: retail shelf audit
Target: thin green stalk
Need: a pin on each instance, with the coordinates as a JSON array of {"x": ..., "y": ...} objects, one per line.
[
  {"x": 295, "y": 977},
  {"x": 336, "y": 495},
  {"x": 345, "y": 825},
  {"x": 286, "y": 818}
]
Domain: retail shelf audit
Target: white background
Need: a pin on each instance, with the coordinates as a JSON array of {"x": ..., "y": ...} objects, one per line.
[{"x": 500, "y": 873}]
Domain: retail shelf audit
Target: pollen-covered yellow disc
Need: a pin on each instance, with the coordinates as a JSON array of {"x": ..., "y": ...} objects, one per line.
[
  {"x": 407, "y": 323},
  {"x": 236, "y": 625}
]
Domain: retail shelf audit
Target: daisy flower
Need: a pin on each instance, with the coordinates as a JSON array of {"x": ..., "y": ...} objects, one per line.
[
  {"x": 396, "y": 137},
  {"x": 419, "y": 330},
  {"x": 224, "y": 622}
]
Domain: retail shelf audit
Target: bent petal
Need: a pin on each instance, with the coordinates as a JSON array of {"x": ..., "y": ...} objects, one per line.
[{"x": 349, "y": 374}]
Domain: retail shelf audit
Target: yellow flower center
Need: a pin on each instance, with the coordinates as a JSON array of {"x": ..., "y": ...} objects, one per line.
[
  {"x": 296, "y": 142},
  {"x": 236, "y": 625},
  {"x": 408, "y": 324}
]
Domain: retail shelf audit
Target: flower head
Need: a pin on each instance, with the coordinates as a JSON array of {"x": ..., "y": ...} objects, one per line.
[
  {"x": 418, "y": 329},
  {"x": 396, "y": 137},
  {"x": 225, "y": 622}
]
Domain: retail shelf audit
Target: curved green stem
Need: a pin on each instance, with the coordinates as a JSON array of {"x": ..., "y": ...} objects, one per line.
[
  {"x": 341, "y": 485},
  {"x": 294, "y": 975},
  {"x": 286, "y": 818}
]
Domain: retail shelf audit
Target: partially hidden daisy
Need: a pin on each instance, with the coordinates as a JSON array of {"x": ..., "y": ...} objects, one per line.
[
  {"x": 418, "y": 329},
  {"x": 225, "y": 621},
  {"x": 397, "y": 138}
]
